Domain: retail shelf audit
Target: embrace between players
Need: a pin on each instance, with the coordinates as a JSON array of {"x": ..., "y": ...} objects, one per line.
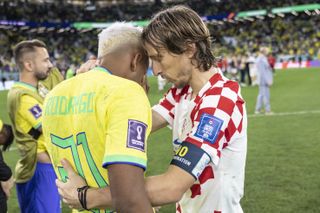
[{"x": 96, "y": 125}]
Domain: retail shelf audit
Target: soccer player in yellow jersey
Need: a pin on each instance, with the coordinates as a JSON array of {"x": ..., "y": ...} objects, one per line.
[
  {"x": 34, "y": 174},
  {"x": 100, "y": 121}
]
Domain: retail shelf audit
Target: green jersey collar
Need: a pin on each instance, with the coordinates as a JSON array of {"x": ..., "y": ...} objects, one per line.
[
  {"x": 25, "y": 86},
  {"x": 99, "y": 68}
]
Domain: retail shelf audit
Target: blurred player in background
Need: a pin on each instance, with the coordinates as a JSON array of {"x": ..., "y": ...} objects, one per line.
[
  {"x": 265, "y": 80},
  {"x": 6, "y": 179},
  {"x": 100, "y": 121},
  {"x": 34, "y": 174}
]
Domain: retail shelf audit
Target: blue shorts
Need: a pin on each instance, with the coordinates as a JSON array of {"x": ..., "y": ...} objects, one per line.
[{"x": 40, "y": 193}]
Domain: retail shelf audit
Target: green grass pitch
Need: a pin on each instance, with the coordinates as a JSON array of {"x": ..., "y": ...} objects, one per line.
[{"x": 283, "y": 160}]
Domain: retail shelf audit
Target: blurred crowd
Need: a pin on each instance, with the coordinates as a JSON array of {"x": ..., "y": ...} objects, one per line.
[
  {"x": 61, "y": 11},
  {"x": 290, "y": 35},
  {"x": 293, "y": 35}
]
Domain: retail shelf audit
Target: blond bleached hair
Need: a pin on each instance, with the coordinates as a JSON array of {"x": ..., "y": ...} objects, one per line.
[{"x": 117, "y": 35}]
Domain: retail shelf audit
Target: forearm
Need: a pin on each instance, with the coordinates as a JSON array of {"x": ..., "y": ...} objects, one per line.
[
  {"x": 161, "y": 189},
  {"x": 99, "y": 198},
  {"x": 168, "y": 187},
  {"x": 161, "y": 194},
  {"x": 158, "y": 121}
]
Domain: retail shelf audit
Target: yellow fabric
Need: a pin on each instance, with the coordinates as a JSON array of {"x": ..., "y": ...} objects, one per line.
[
  {"x": 87, "y": 117},
  {"x": 29, "y": 116},
  {"x": 1, "y": 124},
  {"x": 51, "y": 81},
  {"x": 26, "y": 144}
]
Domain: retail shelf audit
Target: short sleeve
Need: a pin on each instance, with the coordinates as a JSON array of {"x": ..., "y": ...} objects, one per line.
[
  {"x": 128, "y": 124},
  {"x": 166, "y": 105},
  {"x": 217, "y": 118},
  {"x": 29, "y": 113}
]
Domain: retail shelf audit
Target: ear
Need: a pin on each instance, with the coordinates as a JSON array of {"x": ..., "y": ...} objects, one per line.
[
  {"x": 191, "y": 49},
  {"x": 135, "y": 61},
  {"x": 28, "y": 65}
]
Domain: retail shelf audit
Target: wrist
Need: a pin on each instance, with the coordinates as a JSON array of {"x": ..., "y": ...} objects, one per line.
[{"x": 82, "y": 196}]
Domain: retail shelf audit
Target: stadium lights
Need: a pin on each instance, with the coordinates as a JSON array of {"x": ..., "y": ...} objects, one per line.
[
  {"x": 249, "y": 19},
  {"x": 41, "y": 29},
  {"x": 307, "y": 12},
  {"x": 317, "y": 11},
  {"x": 280, "y": 14},
  {"x": 271, "y": 15},
  {"x": 294, "y": 13},
  {"x": 260, "y": 17},
  {"x": 24, "y": 28}
]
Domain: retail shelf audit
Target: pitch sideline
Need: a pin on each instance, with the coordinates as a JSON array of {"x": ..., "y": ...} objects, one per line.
[{"x": 284, "y": 113}]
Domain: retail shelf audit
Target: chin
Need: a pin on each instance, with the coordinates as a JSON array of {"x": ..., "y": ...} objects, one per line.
[{"x": 179, "y": 85}]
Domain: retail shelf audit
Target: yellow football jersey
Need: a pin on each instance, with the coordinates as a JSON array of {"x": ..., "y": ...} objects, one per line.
[
  {"x": 94, "y": 120},
  {"x": 29, "y": 114}
]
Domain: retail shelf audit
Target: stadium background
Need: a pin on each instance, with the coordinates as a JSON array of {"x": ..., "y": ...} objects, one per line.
[{"x": 282, "y": 172}]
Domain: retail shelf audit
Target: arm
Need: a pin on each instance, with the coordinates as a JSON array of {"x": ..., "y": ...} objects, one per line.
[
  {"x": 161, "y": 189},
  {"x": 5, "y": 177},
  {"x": 127, "y": 188},
  {"x": 158, "y": 121},
  {"x": 5, "y": 171},
  {"x": 168, "y": 187},
  {"x": 7, "y": 186},
  {"x": 125, "y": 180}
]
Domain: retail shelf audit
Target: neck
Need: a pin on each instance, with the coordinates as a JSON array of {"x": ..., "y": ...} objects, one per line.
[
  {"x": 25, "y": 78},
  {"x": 200, "y": 78}
]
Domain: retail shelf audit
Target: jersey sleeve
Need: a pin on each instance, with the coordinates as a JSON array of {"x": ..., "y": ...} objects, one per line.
[
  {"x": 29, "y": 113},
  {"x": 128, "y": 124},
  {"x": 166, "y": 105},
  {"x": 217, "y": 119}
]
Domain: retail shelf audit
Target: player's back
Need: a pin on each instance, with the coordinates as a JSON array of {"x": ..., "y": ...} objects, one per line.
[{"x": 82, "y": 122}]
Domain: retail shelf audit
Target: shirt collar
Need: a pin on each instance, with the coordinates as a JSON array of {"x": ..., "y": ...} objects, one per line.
[{"x": 25, "y": 86}]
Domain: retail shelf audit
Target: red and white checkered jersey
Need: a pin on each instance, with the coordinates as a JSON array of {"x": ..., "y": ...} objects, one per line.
[{"x": 215, "y": 121}]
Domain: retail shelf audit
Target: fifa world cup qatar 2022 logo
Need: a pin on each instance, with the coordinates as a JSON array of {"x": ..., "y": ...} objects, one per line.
[{"x": 136, "y": 135}]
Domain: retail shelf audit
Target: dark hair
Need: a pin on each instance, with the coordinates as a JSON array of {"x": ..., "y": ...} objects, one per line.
[
  {"x": 177, "y": 27},
  {"x": 24, "y": 47},
  {"x": 9, "y": 133}
]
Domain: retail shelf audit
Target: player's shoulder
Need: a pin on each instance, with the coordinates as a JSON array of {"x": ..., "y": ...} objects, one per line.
[
  {"x": 224, "y": 87},
  {"x": 26, "y": 98}
]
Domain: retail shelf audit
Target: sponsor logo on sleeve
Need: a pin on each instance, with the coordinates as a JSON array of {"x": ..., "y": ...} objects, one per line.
[
  {"x": 209, "y": 127},
  {"x": 36, "y": 111},
  {"x": 136, "y": 135}
]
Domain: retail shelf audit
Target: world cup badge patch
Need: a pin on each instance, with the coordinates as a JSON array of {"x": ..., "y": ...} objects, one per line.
[
  {"x": 136, "y": 135},
  {"x": 36, "y": 111},
  {"x": 209, "y": 127}
]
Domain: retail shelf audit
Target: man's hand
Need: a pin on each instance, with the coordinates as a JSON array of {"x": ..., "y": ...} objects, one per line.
[
  {"x": 6, "y": 186},
  {"x": 90, "y": 64},
  {"x": 68, "y": 191}
]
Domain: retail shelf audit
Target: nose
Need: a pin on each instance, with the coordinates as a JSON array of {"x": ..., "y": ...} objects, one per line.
[
  {"x": 156, "y": 68},
  {"x": 50, "y": 65}
]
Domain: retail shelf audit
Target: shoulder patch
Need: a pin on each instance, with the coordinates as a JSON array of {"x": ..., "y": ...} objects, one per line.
[
  {"x": 36, "y": 111},
  {"x": 209, "y": 127},
  {"x": 136, "y": 135}
]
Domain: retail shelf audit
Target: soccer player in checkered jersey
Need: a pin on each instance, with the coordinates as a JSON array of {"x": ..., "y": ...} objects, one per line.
[
  {"x": 206, "y": 112},
  {"x": 207, "y": 115}
]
